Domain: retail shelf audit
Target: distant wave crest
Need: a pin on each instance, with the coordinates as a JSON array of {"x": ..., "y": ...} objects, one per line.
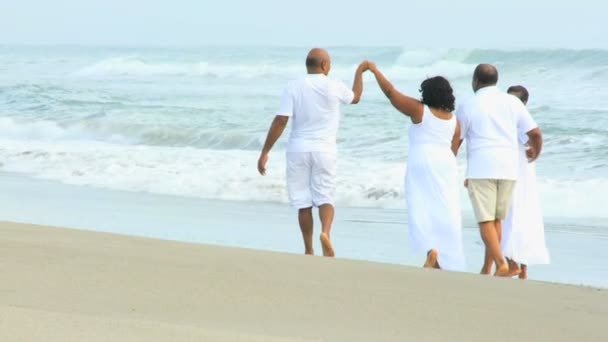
[
  {"x": 137, "y": 67},
  {"x": 127, "y": 133}
]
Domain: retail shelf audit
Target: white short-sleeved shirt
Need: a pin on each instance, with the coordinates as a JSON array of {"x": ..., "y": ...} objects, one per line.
[
  {"x": 313, "y": 102},
  {"x": 492, "y": 123}
]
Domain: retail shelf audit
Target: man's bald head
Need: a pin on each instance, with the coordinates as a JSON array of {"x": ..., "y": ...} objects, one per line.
[
  {"x": 318, "y": 61},
  {"x": 485, "y": 75}
]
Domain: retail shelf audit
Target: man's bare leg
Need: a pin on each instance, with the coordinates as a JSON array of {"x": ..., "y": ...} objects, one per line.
[
  {"x": 306, "y": 226},
  {"x": 486, "y": 269},
  {"x": 490, "y": 239},
  {"x": 524, "y": 272},
  {"x": 498, "y": 225},
  {"x": 488, "y": 260},
  {"x": 513, "y": 267},
  {"x": 326, "y": 213}
]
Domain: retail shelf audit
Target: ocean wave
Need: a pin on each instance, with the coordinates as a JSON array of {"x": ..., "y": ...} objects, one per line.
[
  {"x": 408, "y": 64},
  {"x": 138, "y": 67},
  {"x": 133, "y": 66},
  {"x": 404, "y": 64},
  {"x": 551, "y": 58},
  {"x": 449, "y": 69},
  {"x": 89, "y": 129},
  {"x": 231, "y": 175},
  {"x": 187, "y": 171},
  {"x": 49, "y": 131},
  {"x": 426, "y": 57}
]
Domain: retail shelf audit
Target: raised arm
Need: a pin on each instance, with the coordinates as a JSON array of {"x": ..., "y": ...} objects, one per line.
[
  {"x": 358, "y": 83},
  {"x": 274, "y": 133},
  {"x": 407, "y": 105}
]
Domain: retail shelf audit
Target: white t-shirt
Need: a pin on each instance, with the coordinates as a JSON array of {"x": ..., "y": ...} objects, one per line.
[
  {"x": 313, "y": 102},
  {"x": 491, "y": 122}
]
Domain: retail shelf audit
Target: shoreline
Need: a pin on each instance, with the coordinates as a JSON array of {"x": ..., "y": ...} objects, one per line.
[
  {"x": 378, "y": 235},
  {"x": 62, "y": 284}
]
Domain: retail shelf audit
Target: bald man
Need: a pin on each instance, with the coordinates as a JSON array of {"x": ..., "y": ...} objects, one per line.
[
  {"x": 313, "y": 103},
  {"x": 491, "y": 123}
]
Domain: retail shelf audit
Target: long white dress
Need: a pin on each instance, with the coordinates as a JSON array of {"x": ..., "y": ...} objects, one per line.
[
  {"x": 432, "y": 191},
  {"x": 523, "y": 231}
]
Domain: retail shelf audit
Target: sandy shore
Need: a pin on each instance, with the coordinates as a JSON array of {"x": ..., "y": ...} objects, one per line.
[{"x": 69, "y": 285}]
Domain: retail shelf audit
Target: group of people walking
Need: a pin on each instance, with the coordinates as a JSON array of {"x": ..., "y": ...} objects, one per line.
[{"x": 502, "y": 140}]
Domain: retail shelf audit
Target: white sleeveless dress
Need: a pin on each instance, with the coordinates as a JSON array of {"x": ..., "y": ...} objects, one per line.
[
  {"x": 432, "y": 191},
  {"x": 523, "y": 232}
]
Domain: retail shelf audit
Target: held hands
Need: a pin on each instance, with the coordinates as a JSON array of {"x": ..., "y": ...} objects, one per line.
[
  {"x": 262, "y": 163},
  {"x": 371, "y": 66},
  {"x": 363, "y": 66},
  {"x": 368, "y": 65}
]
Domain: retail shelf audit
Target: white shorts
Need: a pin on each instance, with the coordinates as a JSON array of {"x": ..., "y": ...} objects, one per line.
[{"x": 311, "y": 178}]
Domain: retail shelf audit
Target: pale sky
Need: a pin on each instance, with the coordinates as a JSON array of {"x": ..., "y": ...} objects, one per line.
[{"x": 438, "y": 23}]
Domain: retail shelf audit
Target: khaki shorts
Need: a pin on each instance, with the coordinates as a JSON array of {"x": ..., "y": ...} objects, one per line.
[{"x": 491, "y": 198}]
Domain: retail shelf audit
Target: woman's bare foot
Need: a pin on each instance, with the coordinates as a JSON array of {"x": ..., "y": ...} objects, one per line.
[
  {"x": 431, "y": 259},
  {"x": 486, "y": 269},
  {"x": 513, "y": 268},
  {"x": 524, "y": 272},
  {"x": 328, "y": 249}
]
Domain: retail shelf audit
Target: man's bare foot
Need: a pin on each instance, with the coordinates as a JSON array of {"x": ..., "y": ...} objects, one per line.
[
  {"x": 524, "y": 272},
  {"x": 431, "y": 259},
  {"x": 513, "y": 268},
  {"x": 328, "y": 249},
  {"x": 486, "y": 269},
  {"x": 309, "y": 252},
  {"x": 502, "y": 270}
]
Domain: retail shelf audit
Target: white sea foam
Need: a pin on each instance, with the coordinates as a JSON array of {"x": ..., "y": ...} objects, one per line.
[
  {"x": 449, "y": 69},
  {"x": 134, "y": 66},
  {"x": 50, "y": 131},
  {"x": 128, "y": 133},
  {"x": 232, "y": 175}
]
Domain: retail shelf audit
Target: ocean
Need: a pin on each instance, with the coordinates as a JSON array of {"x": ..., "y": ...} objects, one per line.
[{"x": 190, "y": 122}]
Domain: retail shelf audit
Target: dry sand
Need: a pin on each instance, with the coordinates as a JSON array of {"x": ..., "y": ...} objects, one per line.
[{"x": 69, "y": 285}]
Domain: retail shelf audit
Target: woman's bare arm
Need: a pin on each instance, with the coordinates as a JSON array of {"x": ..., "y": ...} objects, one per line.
[{"x": 409, "y": 106}]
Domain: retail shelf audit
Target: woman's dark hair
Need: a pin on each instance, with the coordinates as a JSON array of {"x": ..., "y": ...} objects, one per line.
[{"x": 437, "y": 93}]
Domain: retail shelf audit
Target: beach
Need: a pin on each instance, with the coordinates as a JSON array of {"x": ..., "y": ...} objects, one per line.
[
  {"x": 62, "y": 285},
  {"x": 142, "y": 267},
  {"x": 132, "y": 210}
]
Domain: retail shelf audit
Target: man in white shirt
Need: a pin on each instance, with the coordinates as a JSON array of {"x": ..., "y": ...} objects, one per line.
[
  {"x": 490, "y": 123},
  {"x": 314, "y": 104}
]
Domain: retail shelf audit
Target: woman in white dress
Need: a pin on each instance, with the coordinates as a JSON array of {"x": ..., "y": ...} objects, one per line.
[
  {"x": 523, "y": 235},
  {"x": 431, "y": 182}
]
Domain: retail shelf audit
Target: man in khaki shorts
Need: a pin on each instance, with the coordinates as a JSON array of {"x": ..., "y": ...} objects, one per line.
[{"x": 490, "y": 123}]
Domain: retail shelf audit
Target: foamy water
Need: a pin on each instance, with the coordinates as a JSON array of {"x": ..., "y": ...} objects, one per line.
[{"x": 191, "y": 122}]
